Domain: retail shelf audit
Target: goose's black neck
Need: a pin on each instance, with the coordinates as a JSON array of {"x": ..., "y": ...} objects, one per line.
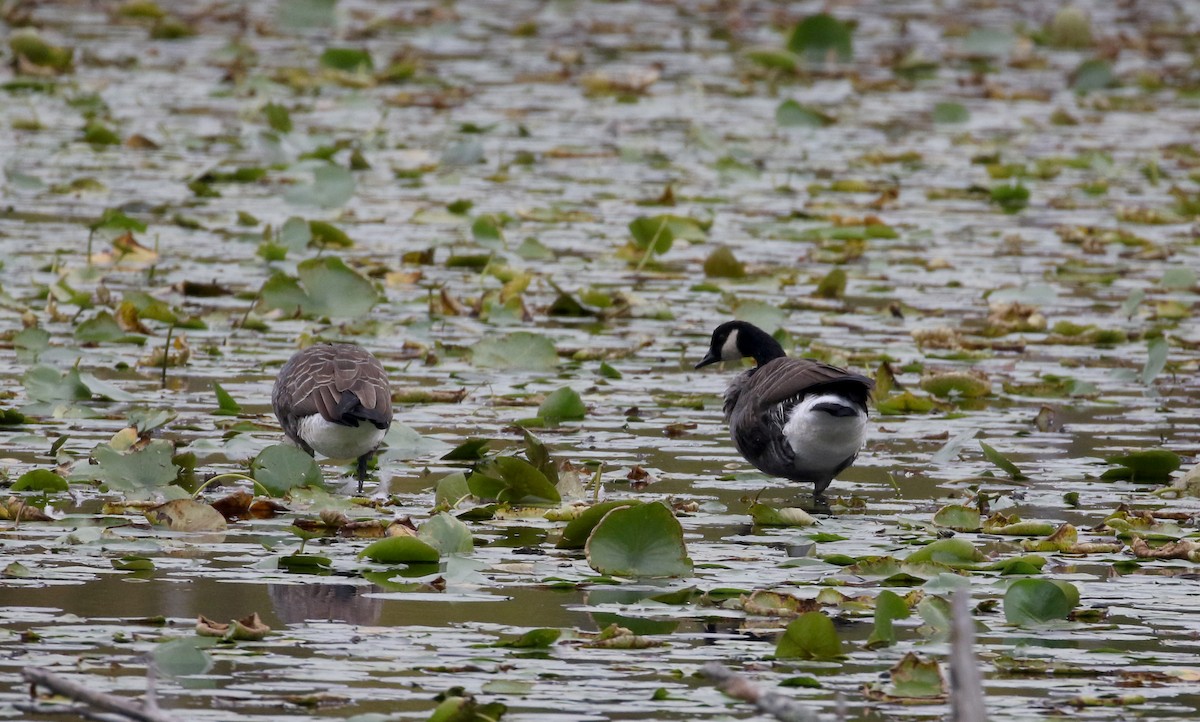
[{"x": 758, "y": 344}]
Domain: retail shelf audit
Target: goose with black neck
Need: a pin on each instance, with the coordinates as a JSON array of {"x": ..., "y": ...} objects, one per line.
[{"x": 794, "y": 418}]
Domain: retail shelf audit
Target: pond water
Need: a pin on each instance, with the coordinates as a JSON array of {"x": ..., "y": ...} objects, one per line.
[{"x": 515, "y": 142}]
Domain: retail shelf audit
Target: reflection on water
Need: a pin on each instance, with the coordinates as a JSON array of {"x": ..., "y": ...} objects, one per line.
[{"x": 299, "y": 603}]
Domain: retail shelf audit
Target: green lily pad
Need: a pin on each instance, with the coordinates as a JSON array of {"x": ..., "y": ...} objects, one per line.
[
  {"x": 282, "y": 467},
  {"x": 400, "y": 550},
  {"x": 447, "y": 534},
  {"x": 45, "y": 383},
  {"x": 950, "y": 113},
  {"x": 533, "y": 639},
  {"x": 1002, "y": 461},
  {"x": 575, "y": 534},
  {"x": 182, "y": 657},
  {"x": 821, "y": 36},
  {"x": 956, "y": 553},
  {"x": 764, "y": 515},
  {"x": 562, "y": 405},
  {"x": 324, "y": 286},
  {"x": 957, "y": 517},
  {"x": 888, "y": 608},
  {"x": 226, "y": 405},
  {"x": 790, "y": 114},
  {"x": 450, "y": 490},
  {"x": 332, "y": 186},
  {"x": 1152, "y": 466},
  {"x": 42, "y": 480},
  {"x": 1032, "y": 602},
  {"x": 639, "y": 541},
  {"x": 521, "y": 351},
  {"x": 721, "y": 263},
  {"x": 135, "y": 471},
  {"x": 810, "y": 636},
  {"x": 512, "y": 480}
]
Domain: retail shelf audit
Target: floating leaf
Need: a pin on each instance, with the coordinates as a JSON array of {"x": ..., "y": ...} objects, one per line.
[
  {"x": 181, "y": 657},
  {"x": 42, "y": 480},
  {"x": 958, "y": 518},
  {"x": 721, "y": 263},
  {"x": 639, "y": 541},
  {"x": 916, "y": 678},
  {"x": 888, "y": 608},
  {"x": 187, "y": 515},
  {"x": 135, "y": 471},
  {"x": 1092, "y": 75},
  {"x": 450, "y": 490},
  {"x": 822, "y": 36},
  {"x": 904, "y": 403},
  {"x": 1031, "y": 602},
  {"x": 512, "y": 480},
  {"x": 522, "y": 351},
  {"x": 954, "y": 552},
  {"x": 791, "y": 114},
  {"x": 533, "y": 639},
  {"x": 1153, "y": 466},
  {"x": 809, "y": 636},
  {"x": 349, "y": 60},
  {"x": 577, "y": 531},
  {"x": 562, "y": 405},
  {"x": 1002, "y": 461},
  {"x": 332, "y": 187},
  {"x": 764, "y": 515},
  {"x": 469, "y": 450},
  {"x": 964, "y": 384},
  {"x": 45, "y": 383},
  {"x": 1156, "y": 359},
  {"x": 447, "y": 534},
  {"x": 833, "y": 285},
  {"x": 282, "y": 467},
  {"x": 325, "y": 287},
  {"x": 400, "y": 550},
  {"x": 226, "y": 406},
  {"x": 950, "y": 113},
  {"x": 1011, "y": 197}
]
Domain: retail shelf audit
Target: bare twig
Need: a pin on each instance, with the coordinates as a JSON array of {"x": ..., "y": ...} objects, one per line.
[
  {"x": 966, "y": 684},
  {"x": 779, "y": 706},
  {"x": 39, "y": 676}
]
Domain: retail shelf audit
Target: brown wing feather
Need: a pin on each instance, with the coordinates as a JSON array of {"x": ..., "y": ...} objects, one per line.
[
  {"x": 786, "y": 378},
  {"x": 314, "y": 381}
]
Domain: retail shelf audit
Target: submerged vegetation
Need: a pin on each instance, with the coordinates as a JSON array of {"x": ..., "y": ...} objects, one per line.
[{"x": 535, "y": 216}]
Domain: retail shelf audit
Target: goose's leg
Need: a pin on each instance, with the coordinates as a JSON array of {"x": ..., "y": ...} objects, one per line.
[{"x": 362, "y": 470}]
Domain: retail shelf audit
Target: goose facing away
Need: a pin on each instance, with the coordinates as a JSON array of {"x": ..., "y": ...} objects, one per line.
[
  {"x": 334, "y": 399},
  {"x": 795, "y": 418}
]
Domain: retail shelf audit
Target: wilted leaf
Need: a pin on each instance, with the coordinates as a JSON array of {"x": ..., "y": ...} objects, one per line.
[
  {"x": 958, "y": 518},
  {"x": 187, "y": 515}
]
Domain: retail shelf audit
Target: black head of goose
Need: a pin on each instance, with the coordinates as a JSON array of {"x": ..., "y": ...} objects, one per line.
[
  {"x": 795, "y": 418},
  {"x": 334, "y": 398}
]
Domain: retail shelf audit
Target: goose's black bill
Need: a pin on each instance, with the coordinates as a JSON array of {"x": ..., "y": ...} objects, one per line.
[{"x": 709, "y": 358}]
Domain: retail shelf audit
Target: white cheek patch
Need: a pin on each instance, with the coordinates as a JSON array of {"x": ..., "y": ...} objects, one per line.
[{"x": 729, "y": 350}]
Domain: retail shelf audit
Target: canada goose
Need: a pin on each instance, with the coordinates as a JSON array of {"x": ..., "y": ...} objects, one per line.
[
  {"x": 799, "y": 419},
  {"x": 334, "y": 398}
]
